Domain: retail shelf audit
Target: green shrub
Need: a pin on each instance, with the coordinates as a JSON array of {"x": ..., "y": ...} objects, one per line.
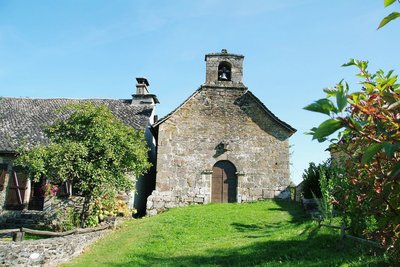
[
  {"x": 66, "y": 220},
  {"x": 71, "y": 220},
  {"x": 311, "y": 184}
]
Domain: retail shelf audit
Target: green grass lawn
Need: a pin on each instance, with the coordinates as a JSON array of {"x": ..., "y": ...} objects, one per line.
[{"x": 267, "y": 233}]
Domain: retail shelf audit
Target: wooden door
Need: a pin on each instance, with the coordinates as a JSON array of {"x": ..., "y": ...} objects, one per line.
[
  {"x": 16, "y": 190},
  {"x": 224, "y": 182},
  {"x": 36, "y": 200}
]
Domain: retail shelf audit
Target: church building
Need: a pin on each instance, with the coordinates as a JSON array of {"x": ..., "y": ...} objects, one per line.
[{"x": 220, "y": 145}]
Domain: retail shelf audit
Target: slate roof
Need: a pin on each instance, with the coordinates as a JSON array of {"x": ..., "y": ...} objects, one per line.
[
  {"x": 22, "y": 119},
  {"x": 272, "y": 115},
  {"x": 268, "y": 112}
]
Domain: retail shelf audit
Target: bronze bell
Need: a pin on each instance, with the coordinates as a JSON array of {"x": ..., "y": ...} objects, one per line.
[{"x": 223, "y": 76}]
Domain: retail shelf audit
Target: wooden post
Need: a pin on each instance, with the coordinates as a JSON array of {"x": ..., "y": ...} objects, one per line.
[
  {"x": 18, "y": 236},
  {"x": 342, "y": 231}
]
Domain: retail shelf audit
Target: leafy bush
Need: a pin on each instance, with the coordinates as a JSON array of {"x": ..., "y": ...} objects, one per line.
[
  {"x": 71, "y": 220},
  {"x": 65, "y": 220},
  {"x": 109, "y": 205},
  {"x": 327, "y": 172},
  {"x": 368, "y": 149},
  {"x": 311, "y": 184}
]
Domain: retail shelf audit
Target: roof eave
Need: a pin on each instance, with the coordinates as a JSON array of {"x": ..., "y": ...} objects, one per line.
[{"x": 285, "y": 125}]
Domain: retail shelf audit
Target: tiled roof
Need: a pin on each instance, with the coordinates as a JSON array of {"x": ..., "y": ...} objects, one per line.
[{"x": 22, "y": 119}]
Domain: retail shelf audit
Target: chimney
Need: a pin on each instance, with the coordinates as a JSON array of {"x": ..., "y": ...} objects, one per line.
[
  {"x": 141, "y": 86},
  {"x": 142, "y": 95}
]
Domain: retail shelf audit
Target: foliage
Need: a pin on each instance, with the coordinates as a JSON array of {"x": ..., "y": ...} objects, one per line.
[
  {"x": 311, "y": 184},
  {"x": 327, "y": 172},
  {"x": 110, "y": 205},
  {"x": 91, "y": 148},
  {"x": 391, "y": 16},
  {"x": 69, "y": 221},
  {"x": 263, "y": 233},
  {"x": 92, "y": 220},
  {"x": 48, "y": 189},
  {"x": 62, "y": 217},
  {"x": 104, "y": 206},
  {"x": 368, "y": 148}
]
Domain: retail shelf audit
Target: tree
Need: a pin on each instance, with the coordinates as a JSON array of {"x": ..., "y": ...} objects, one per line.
[
  {"x": 92, "y": 149},
  {"x": 368, "y": 150},
  {"x": 391, "y": 16}
]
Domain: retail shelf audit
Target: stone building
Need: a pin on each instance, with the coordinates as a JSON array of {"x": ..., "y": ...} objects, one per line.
[
  {"x": 221, "y": 145},
  {"x": 21, "y": 123}
]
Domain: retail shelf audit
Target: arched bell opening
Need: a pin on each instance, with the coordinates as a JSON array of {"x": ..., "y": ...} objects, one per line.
[{"x": 224, "y": 71}]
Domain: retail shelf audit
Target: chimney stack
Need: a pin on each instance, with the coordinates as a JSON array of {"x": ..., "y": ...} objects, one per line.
[
  {"x": 141, "y": 86},
  {"x": 142, "y": 95}
]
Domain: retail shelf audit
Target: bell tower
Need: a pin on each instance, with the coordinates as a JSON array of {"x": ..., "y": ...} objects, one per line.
[{"x": 224, "y": 70}]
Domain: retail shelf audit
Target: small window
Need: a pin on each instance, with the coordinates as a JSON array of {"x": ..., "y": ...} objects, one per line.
[{"x": 224, "y": 71}]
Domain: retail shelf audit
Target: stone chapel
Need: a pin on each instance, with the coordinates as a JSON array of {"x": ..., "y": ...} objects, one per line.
[{"x": 220, "y": 145}]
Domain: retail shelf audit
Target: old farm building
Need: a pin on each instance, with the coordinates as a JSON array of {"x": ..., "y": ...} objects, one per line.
[{"x": 21, "y": 123}]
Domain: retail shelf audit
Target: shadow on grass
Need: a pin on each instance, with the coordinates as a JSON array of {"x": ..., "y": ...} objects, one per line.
[
  {"x": 295, "y": 209},
  {"x": 257, "y": 231},
  {"x": 322, "y": 251}
]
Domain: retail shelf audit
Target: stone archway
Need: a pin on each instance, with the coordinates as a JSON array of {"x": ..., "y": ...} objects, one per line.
[{"x": 224, "y": 182}]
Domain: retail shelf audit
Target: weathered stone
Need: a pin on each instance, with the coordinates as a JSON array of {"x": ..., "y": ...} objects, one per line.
[
  {"x": 268, "y": 194},
  {"x": 169, "y": 205},
  {"x": 159, "y": 204},
  {"x": 45, "y": 252},
  {"x": 256, "y": 192},
  {"x": 222, "y": 121},
  {"x": 198, "y": 199}
]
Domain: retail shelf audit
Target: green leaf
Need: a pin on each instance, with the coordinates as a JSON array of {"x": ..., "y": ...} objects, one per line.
[
  {"x": 341, "y": 97},
  {"x": 388, "y": 2},
  {"x": 330, "y": 92},
  {"x": 323, "y": 105},
  {"x": 390, "y": 149},
  {"x": 389, "y": 97},
  {"x": 389, "y": 18},
  {"x": 327, "y": 128},
  {"x": 356, "y": 123},
  {"x": 370, "y": 153},
  {"x": 352, "y": 62},
  {"x": 396, "y": 169}
]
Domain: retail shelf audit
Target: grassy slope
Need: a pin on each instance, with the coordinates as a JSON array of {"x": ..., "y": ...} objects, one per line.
[{"x": 265, "y": 233}]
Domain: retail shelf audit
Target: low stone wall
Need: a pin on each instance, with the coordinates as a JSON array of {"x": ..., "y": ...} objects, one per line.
[
  {"x": 46, "y": 252},
  {"x": 54, "y": 210},
  {"x": 160, "y": 201},
  {"x": 10, "y": 219}
]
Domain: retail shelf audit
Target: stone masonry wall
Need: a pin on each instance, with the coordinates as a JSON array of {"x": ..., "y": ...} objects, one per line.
[
  {"x": 188, "y": 142},
  {"x": 54, "y": 210},
  {"x": 45, "y": 252}
]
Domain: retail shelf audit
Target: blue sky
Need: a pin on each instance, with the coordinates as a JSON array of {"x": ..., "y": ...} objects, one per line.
[{"x": 292, "y": 49}]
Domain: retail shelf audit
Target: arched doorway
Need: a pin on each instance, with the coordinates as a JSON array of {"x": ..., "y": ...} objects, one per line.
[{"x": 224, "y": 182}]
